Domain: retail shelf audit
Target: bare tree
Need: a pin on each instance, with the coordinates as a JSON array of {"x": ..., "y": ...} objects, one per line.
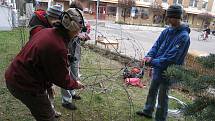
[
  {"x": 206, "y": 19},
  {"x": 158, "y": 12},
  {"x": 126, "y": 6}
]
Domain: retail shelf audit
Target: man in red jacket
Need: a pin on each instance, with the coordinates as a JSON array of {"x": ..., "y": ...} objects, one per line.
[
  {"x": 44, "y": 19},
  {"x": 43, "y": 62}
]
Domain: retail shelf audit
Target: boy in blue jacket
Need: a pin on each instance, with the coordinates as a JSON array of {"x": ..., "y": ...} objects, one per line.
[{"x": 170, "y": 48}]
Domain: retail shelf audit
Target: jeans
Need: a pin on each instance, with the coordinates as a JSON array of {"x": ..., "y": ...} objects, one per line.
[
  {"x": 159, "y": 89},
  {"x": 74, "y": 69},
  {"x": 67, "y": 96}
]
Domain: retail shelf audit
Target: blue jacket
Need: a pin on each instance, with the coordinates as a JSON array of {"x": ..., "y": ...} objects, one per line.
[{"x": 170, "y": 48}]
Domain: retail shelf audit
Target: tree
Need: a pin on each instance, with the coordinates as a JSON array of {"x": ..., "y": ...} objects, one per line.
[
  {"x": 199, "y": 82},
  {"x": 126, "y": 6},
  {"x": 206, "y": 19},
  {"x": 158, "y": 11}
]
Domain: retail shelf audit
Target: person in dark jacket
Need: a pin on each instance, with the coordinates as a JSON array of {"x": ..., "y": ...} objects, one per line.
[
  {"x": 44, "y": 19},
  {"x": 207, "y": 32},
  {"x": 43, "y": 61},
  {"x": 170, "y": 48}
]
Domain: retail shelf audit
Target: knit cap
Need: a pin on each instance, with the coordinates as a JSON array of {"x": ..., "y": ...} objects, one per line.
[
  {"x": 174, "y": 11},
  {"x": 54, "y": 11}
]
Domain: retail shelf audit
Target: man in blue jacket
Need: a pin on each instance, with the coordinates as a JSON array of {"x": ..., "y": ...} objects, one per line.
[{"x": 170, "y": 48}]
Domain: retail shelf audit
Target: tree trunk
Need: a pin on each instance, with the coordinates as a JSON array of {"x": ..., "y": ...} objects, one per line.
[
  {"x": 118, "y": 14},
  {"x": 124, "y": 14},
  {"x": 203, "y": 20}
]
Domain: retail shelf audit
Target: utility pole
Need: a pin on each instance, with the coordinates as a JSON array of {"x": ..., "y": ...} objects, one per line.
[{"x": 97, "y": 16}]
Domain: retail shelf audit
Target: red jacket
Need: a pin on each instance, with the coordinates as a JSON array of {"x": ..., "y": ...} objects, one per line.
[
  {"x": 39, "y": 18},
  {"x": 41, "y": 62},
  {"x": 38, "y": 21}
]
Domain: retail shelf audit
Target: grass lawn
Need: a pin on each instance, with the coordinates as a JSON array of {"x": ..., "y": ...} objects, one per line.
[{"x": 105, "y": 97}]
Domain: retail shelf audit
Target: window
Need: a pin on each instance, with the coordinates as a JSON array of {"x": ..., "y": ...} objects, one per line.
[
  {"x": 205, "y": 4},
  {"x": 141, "y": 12},
  {"x": 134, "y": 12},
  {"x": 177, "y": 2},
  {"x": 165, "y": 1},
  {"x": 111, "y": 10},
  {"x": 157, "y": 19},
  {"x": 144, "y": 13},
  {"x": 193, "y": 3}
]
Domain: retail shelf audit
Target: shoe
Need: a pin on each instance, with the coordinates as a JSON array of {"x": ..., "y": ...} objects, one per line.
[
  {"x": 69, "y": 106},
  {"x": 142, "y": 113},
  {"x": 76, "y": 97},
  {"x": 57, "y": 114}
]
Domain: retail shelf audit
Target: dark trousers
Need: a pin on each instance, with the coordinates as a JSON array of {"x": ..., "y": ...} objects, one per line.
[
  {"x": 159, "y": 87},
  {"x": 38, "y": 104}
]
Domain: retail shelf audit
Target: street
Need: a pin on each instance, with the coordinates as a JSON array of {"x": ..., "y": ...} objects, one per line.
[{"x": 135, "y": 41}]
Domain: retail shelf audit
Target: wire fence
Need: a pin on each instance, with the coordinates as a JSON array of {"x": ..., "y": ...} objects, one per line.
[{"x": 106, "y": 97}]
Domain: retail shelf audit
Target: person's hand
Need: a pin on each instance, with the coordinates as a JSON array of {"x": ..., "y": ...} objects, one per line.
[
  {"x": 146, "y": 61},
  {"x": 84, "y": 36},
  {"x": 80, "y": 85}
]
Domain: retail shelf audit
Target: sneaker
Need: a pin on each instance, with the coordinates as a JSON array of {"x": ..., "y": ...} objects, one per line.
[
  {"x": 76, "y": 97},
  {"x": 69, "y": 106},
  {"x": 142, "y": 113}
]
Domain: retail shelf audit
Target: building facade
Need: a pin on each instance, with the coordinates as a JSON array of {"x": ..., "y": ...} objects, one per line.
[
  {"x": 196, "y": 12},
  {"x": 44, "y": 4}
]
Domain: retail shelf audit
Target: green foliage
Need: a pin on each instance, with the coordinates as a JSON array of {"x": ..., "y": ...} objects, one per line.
[
  {"x": 202, "y": 108},
  {"x": 198, "y": 105},
  {"x": 206, "y": 81},
  {"x": 208, "y": 114},
  {"x": 120, "y": 22},
  {"x": 208, "y": 61},
  {"x": 179, "y": 74},
  {"x": 190, "y": 79}
]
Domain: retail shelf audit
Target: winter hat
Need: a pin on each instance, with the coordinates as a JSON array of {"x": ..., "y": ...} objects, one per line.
[
  {"x": 54, "y": 11},
  {"x": 72, "y": 19},
  {"x": 174, "y": 11}
]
